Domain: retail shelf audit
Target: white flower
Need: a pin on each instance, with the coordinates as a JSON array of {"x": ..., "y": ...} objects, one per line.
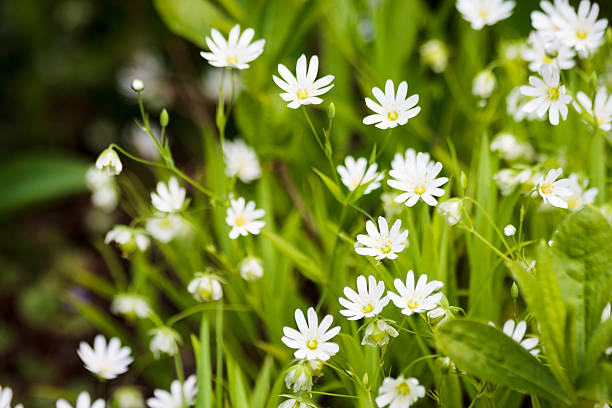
[
  {"x": 451, "y": 210},
  {"x": 251, "y": 268},
  {"x": 605, "y": 315},
  {"x": 129, "y": 239},
  {"x": 515, "y": 102},
  {"x": 547, "y": 95},
  {"x": 392, "y": 109},
  {"x": 416, "y": 176},
  {"x": 510, "y": 148},
  {"x": 484, "y": 12},
  {"x": 552, "y": 191},
  {"x": 241, "y": 161},
  {"x": 580, "y": 195},
  {"x": 417, "y": 299},
  {"x": 312, "y": 340},
  {"x": 435, "y": 54},
  {"x": 390, "y": 207},
  {"x": 169, "y": 198},
  {"x": 244, "y": 218},
  {"x": 517, "y": 333},
  {"x": 178, "y": 397},
  {"x": 137, "y": 85},
  {"x": 377, "y": 333},
  {"x": 164, "y": 341},
  {"x": 508, "y": 179},
  {"x": 382, "y": 243},
  {"x": 553, "y": 53},
  {"x": 293, "y": 403},
  {"x": 355, "y": 174},
  {"x": 6, "y": 395},
  {"x": 236, "y": 52},
  {"x": 299, "y": 377},
  {"x": 548, "y": 23},
  {"x": 582, "y": 30},
  {"x": 205, "y": 287},
  {"x": 600, "y": 111},
  {"x": 83, "y": 401},
  {"x": 109, "y": 162},
  {"x": 304, "y": 88},
  {"x": 368, "y": 301},
  {"x": 484, "y": 83},
  {"x": 165, "y": 228},
  {"x": 399, "y": 392},
  {"x": 509, "y": 230},
  {"x": 106, "y": 361},
  {"x": 131, "y": 305},
  {"x": 128, "y": 397}
]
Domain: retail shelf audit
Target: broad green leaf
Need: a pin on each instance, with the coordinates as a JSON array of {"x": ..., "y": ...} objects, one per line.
[
  {"x": 488, "y": 353},
  {"x": 190, "y": 19},
  {"x": 582, "y": 261},
  {"x": 38, "y": 178}
]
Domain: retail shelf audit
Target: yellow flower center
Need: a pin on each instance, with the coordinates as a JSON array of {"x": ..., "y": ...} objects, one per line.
[
  {"x": 204, "y": 292},
  {"x": 166, "y": 223},
  {"x": 241, "y": 220},
  {"x": 412, "y": 304},
  {"x": 392, "y": 115},
  {"x": 302, "y": 94},
  {"x": 553, "y": 93},
  {"x": 312, "y": 344},
  {"x": 386, "y": 249},
  {"x": 573, "y": 201},
  {"x": 232, "y": 60},
  {"x": 581, "y": 34},
  {"x": 420, "y": 190},
  {"x": 367, "y": 308},
  {"x": 483, "y": 14},
  {"x": 546, "y": 188},
  {"x": 403, "y": 389}
]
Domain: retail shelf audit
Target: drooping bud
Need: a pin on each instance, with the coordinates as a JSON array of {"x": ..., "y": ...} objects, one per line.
[
  {"x": 109, "y": 163},
  {"x": 165, "y": 341},
  {"x": 299, "y": 377},
  {"x": 137, "y": 85},
  {"x": 377, "y": 333}
]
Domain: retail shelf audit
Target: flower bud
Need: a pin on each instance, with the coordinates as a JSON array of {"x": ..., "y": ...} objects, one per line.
[
  {"x": 299, "y": 377},
  {"x": 331, "y": 111},
  {"x": 463, "y": 180},
  {"x": 509, "y": 230},
  {"x": 317, "y": 367},
  {"x": 205, "y": 287},
  {"x": 164, "y": 341},
  {"x": 109, "y": 163},
  {"x": 137, "y": 85},
  {"x": 128, "y": 397},
  {"x": 514, "y": 291},
  {"x": 128, "y": 239},
  {"x": 377, "y": 333},
  {"x": 251, "y": 269},
  {"x": 451, "y": 210},
  {"x": 164, "y": 118}
]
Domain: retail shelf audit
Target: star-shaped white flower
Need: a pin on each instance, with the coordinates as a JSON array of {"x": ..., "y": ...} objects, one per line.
[
  {"x": 548, "y": 22},
  {"x": 416, "y": 299},
  {"x": 484, "y": 12},
  {"x": 382, "y": 243},
  {"x": 399, "y": 392},
  {"x": 312, "y": 341},
  {"x": 304, "y": 88},
  {"x": 368, "y": 301},
  {"x": 169, "y": 198},
  {"x": 178, "y": 397},
  {"x": 518, "y": 332},
  {"x": 548, "y": 95},
  {"x": 554, "y": 53},
  {"x": 244, "y": 218},
  {"x": 83, "y": 401},
  {"x": 582, "y": 30},
  {"x": 599, "y": 109},
  {"x": 241, "y": 161},
  {"x": 554, "y": 191},
  {"x": 6, "y": 395},
  {"x": 392, "y": 109},
  {"x": 236, "y": 52},
  {"x": 581, "y": 195},
  {"x": 106, "y": 361},
  {"x": 416, "y": 176},
  {"x": 353, "y": 174}
]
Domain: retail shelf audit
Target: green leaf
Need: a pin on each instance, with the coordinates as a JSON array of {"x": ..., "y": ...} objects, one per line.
[
  {"x": 237, "y": 392},
  {"x": 488, "y": 353},
  {"x": 204, "y": 367},
  {"x": 331, "y": 186},
  {"x": 582, "y": 262},
  {"x": 599, "y": 341},
  {"x": 38, "y": 178},
  {"x": 190, "y": 19},
  {"x": 596, "y": 384},
  {"x": 262, "y": 384}
]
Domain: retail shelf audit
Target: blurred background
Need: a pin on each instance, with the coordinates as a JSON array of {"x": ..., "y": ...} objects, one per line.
[{"x": 66, "y": 70}]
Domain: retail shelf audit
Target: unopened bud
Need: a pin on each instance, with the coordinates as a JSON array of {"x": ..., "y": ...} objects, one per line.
[
  {"x": 164, "y": 118},
  {"x": 463, "y": 180},
  {"x": 514, "y": 291},
  {"x": 331, "y": 111},
  {"x": 137, "y": 85}
]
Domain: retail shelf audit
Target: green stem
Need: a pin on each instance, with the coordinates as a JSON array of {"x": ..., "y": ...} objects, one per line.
[{"x": 180, "y": 375}]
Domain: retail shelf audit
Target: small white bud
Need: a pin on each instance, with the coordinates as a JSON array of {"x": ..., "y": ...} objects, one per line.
[
  {"x": 109, "y": 163},
  {"x": 137, "y": 85},
  {"x": 509, "y": 230}
]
